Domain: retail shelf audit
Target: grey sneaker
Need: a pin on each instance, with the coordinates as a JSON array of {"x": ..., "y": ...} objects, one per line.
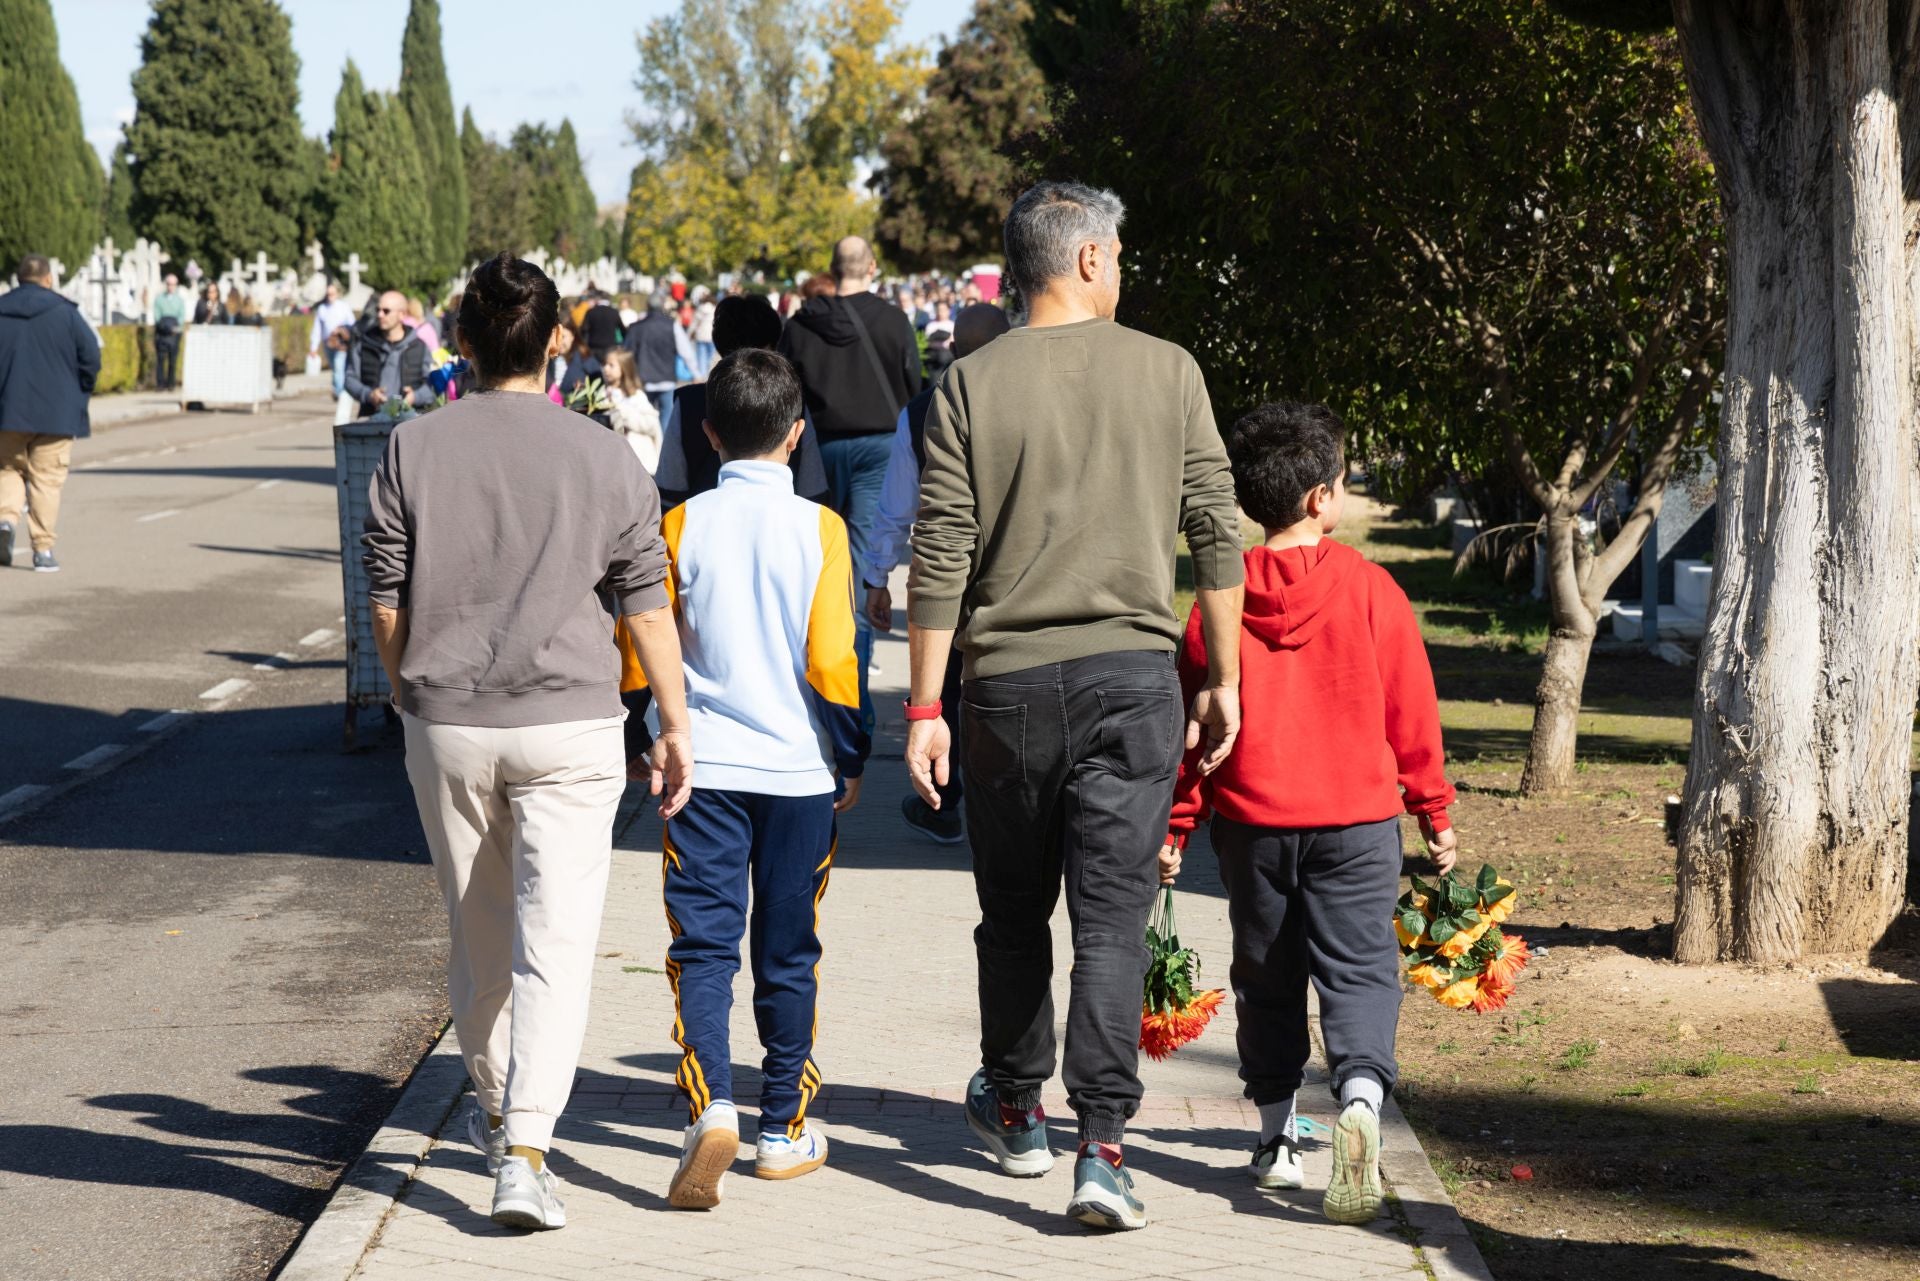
[
  {"x": 1276, "y": 1164},
  {"x": 1353, "y": 1194},
  {"x": 6, "y": 545},
  {"x": 524, "y": 1197},
  {"x": 1021, "y": 1149},
  {"x": 491, "y": 1141},
  {"x": 1103, "y": 1195},
  {"x": 44, "y": 563}
]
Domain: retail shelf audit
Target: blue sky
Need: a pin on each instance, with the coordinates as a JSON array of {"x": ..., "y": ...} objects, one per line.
[{"x": 510, "y": 61}]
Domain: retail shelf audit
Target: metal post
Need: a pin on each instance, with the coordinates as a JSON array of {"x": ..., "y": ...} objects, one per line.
[{"x": 1650, "y": 587}]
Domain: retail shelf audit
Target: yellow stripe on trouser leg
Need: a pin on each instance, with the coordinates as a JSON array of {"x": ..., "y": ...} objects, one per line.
[
  {"x": 810, "y": 1082},
  {"x": 689, "y": 1077}
]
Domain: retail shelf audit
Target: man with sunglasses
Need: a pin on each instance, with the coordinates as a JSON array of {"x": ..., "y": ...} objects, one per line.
[{"x": 387, "y": 361}]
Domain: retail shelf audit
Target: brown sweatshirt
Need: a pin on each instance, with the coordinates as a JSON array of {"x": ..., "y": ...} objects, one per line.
[
  {"x": 512, "y": 531},
  {"x": 1061, "y": 464}
]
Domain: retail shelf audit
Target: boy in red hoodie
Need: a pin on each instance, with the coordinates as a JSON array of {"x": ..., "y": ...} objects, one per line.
[{"x": 1340, "y": 733}]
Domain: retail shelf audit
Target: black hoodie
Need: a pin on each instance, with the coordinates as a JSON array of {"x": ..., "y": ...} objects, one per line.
[
  {"x": 48, "y": 361},
  {"x": 844, "y": 392}
]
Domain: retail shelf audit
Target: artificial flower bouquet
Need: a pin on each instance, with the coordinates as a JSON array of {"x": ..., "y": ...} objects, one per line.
[
  {"x": 1171, "y": 1012},
  {"x": 1451, "y": 942}
]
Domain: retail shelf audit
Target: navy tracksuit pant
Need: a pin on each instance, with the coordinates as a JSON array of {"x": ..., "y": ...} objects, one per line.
[{"x": 717, "y": 848}]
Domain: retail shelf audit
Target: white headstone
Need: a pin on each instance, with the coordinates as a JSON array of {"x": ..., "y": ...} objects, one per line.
[
  {"x": 314, "y": 256},
  {"x": 262, "y": 274},
  {"x": 357, "y": 293}
]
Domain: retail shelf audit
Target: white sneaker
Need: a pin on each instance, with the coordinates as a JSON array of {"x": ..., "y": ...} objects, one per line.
[
  {"x": 489, "y": 1140},
  {"x": 524, "y": 1197},
  {"x": 1276, "y": 1164},
  {"x": 711, "y": 1144},
  {"x": 778, "y": 1157}
]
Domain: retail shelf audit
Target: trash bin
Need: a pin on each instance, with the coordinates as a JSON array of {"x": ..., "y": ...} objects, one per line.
[{"x": 357, "y": 450}]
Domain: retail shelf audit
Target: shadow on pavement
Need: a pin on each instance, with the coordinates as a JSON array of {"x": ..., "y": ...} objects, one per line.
[{"x": 300, "y": 475}]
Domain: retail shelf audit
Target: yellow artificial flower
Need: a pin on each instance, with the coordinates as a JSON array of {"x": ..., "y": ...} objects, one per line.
[
  {"x": 1428, "y": 975},
  {"x": 1409, "y": 940},
  {"x": 1457, "y": 946},
  {"x": 1499, "y": 912},
  {"x": 1458, "y": 996}
]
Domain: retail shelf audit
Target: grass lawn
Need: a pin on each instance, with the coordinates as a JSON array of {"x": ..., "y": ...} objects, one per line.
[{"x": 1625, "y": 1115}]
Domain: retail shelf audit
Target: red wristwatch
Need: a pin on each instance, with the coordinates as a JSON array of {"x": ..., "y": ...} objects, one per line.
[{"x": 931, "y": 712}]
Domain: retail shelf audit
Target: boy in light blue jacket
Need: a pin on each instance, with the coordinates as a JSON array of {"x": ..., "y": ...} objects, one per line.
[{"x": 763, "y": 591}]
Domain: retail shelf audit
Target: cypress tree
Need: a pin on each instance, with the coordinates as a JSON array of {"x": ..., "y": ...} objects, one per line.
[
  {"x": 429, "y": 103},
  {"x": 376, "y": 189},
  {"x": 50, "y": 190},
  {"x": 565, "y": 215},
  {"x": 215, "y": 138},
  {"x": 500, "y": 193},
  {"x": 118, "y": 215}
]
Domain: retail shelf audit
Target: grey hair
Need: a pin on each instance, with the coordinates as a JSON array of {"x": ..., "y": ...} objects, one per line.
[{"x": 1048, "y": 224}]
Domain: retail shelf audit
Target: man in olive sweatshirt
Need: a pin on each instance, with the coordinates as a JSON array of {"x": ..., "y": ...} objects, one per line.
[{"x": 1062, "y": 462}]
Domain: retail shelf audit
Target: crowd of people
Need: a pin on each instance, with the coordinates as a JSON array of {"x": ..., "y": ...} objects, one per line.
[{"x": 553, "y": 621}]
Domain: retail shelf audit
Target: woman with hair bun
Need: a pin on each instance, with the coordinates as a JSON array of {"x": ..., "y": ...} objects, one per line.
[{"x": 506, "y": 538}]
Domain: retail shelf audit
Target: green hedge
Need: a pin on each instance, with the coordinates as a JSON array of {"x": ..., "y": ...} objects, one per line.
[{"x": 127, "y": 359}]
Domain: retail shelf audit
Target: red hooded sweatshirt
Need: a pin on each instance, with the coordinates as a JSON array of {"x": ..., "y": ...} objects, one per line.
[{"x": 1339, "y": 721}]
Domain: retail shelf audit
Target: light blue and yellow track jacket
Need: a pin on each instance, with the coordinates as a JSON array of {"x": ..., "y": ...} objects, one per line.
[{"x": 762, "y": 587}]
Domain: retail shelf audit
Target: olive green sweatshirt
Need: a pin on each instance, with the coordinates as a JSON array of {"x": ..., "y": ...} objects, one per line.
[{"x": 1061, "y": 464}]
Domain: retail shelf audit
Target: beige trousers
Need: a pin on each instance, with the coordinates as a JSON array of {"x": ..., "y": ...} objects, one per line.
[
  {"x": 520, "y": 825},
  {"x": 33, "y": 468}
]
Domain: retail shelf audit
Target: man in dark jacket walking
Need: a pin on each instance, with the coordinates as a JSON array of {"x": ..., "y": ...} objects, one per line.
[
  {"x": 387, "y": 361},
  {"x": 859, "y": 364},
  {"x": 48, "y": 361},
  {"x": 650, "y": 340}
]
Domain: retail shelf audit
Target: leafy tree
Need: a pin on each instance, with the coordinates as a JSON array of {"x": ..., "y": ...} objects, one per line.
[
  {"x": 1794, "y": 838},
  {"x": 948, "y": 180},
  {"x": 117, "y": 215},
  {"x": 50, "y": 189},
  {"x": 501, "y": 194},
  {"x": 429, "y": 102},
  {"x": 566, "y": 218},
  {"x": 1492, "y": 243},
  {"x": 376, "y": 197},
  {"x": 215, "y": 139},
  {"x": 755, "y": 112}
]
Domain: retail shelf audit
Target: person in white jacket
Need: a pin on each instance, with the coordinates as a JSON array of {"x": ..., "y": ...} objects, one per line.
[{"x": 633, "y": 414}]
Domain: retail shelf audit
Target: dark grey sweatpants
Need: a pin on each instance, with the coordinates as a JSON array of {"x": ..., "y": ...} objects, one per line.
[
  {"x": 1069, "y": 773},
  {"x": 1313, "y": 904}
]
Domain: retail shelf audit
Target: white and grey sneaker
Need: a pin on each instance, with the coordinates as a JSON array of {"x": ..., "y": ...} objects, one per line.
[
  {"x": 1276, "y": 1164},
  {"x": 489, "y": 1140},
  {"x": 709, "y": 1149},
  {"x": 778, "y": 1157},
  {"x": 524, "y": 1197}
]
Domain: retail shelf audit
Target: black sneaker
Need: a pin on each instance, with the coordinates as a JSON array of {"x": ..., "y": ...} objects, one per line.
[
  {"x": 939, "y": 825},
  {"x": 6, "y": 545},
  {"x": 44, "y": 563},
  {"x": 1276, "y": 1164}
]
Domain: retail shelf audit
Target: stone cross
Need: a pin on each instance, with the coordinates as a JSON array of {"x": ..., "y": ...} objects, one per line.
[
  {"x": 236, "y": 275},
  {"x": 262, "y": 272},
  {"x": 59, "y": 270},
  {"x": 353, "y": 267}
]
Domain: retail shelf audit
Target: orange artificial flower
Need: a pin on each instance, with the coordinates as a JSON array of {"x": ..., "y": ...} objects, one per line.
[
  {"x": 1459, "y": 995},
  {"x": 1492, "y": 995},
  {"x": 1506, "y": 964},
  {"x": 1458, "y": 945},
  {"x": 1162, "y": 1034},
  {"x": 1428, "y": 975},
  {"x": 1409, "y": 940},
  {"x": 1499, "y": 912}
]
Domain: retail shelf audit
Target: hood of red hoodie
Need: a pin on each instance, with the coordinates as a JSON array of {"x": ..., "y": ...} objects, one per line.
[{"x": 1288, "y": 590}]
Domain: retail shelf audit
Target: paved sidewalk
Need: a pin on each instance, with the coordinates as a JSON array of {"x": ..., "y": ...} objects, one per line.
[{"x": 906, "y": 1193}]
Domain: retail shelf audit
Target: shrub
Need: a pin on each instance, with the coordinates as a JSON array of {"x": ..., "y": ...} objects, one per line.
[{"x": 120, "y": 364}]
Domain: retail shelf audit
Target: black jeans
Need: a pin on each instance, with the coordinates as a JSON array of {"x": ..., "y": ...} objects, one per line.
[
  {"x": 1312, "y": 903},
  {"x": 166, "y": 360},
  {"x": 1069, "y": 779}
]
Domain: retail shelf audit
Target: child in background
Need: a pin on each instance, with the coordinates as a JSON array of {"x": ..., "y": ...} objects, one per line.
[
  {"x": 763, "y": 588},
  {"x": 1341, "y": 733},
  {"x": 633, "y": 414}
]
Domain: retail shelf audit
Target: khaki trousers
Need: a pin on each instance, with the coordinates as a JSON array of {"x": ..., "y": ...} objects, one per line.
[
  {"x": 33, "y": 468},
  {"x": 520, "y": 825}
]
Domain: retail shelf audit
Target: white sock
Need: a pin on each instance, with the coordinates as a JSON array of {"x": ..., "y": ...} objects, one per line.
[
  {"x": 1362, "y": 1087},
  {"x": 1276, "y": 1119}
]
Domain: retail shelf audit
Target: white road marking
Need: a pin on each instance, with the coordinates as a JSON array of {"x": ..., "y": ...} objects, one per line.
[
  {"x": 273, "y": 664},
  {"x": 171, "y": 511},
  {"x": 226, "y": 689},
  {"x": 160, "y": 722},
  {"x": 21, "y": 795},
  {"x": 267, "y": 484},
  {"x": 104, "y": 752},
  {"x": 321, "y": 637}
]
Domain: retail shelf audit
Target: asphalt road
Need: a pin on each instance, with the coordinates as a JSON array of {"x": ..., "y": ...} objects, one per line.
[{"x": 223, "y": 955}]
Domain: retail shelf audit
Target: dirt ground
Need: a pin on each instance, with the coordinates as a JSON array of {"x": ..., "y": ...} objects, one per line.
[{"x": 1625, "y": 1115}]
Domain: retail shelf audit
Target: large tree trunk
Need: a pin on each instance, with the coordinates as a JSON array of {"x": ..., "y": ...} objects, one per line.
[{"x": 1794, "y": 832}]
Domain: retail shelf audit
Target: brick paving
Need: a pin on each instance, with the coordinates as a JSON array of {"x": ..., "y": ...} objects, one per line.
[{"x": 906, "y": 1193}]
